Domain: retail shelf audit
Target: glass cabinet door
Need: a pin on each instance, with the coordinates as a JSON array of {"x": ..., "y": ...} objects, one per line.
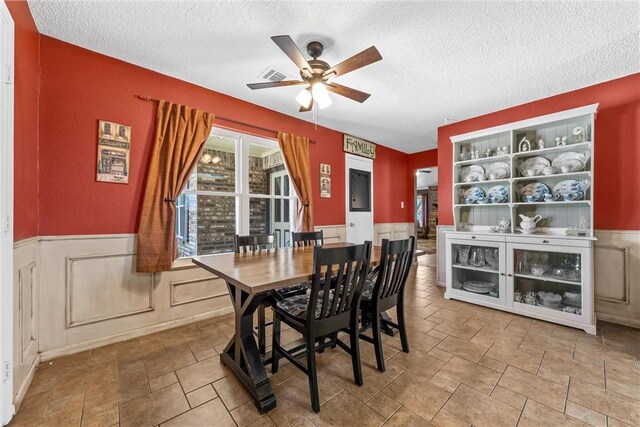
[
  {"x": 477, "y": 269},
  {"x": 549, "y": 281}
]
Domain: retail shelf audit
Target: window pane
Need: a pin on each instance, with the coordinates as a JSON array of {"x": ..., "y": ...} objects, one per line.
[
  {"x": 216, "y": 170},
  {"x": 211, "y": 225},
  {"x": 259, "y": 216},
  {"x": 286, "y": 210},
  {"x": 265, "y": 170},
  {"x": 286, "y": 185}
]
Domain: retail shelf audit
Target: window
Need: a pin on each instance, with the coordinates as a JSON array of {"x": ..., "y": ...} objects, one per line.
[{"x": 239, "y": 186}]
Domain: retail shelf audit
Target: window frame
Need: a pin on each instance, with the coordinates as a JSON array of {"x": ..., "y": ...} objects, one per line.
[{"x": 242, "y": 192}]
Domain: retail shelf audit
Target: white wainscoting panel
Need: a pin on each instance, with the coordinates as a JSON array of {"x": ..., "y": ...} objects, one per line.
[
  {"x": 391, "y": 231},
  {"x": 617, "y": 276},
  {"x": 333, "y": 233},
  {"x": 25, "y": 315}
]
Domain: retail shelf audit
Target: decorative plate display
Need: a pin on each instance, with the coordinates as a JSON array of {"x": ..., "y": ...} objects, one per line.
[
  {"x": 533, "y": 166},
  {"x": 498, "y": 194},
  {"x": 477, "y": 287},
  {"x": 571, "y": 161},
  {"x": 471, "y": 195},
  {"x": 570, "y": 190},
  {"x": 497, "y": 170},
  {"x": 472, "y": 173},
  {"x": 533, "y": 192}
]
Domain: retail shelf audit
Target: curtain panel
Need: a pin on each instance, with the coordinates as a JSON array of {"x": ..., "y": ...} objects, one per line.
[
  {"x": 180, "y": 135},
  {"x": 295, "y": 152}
]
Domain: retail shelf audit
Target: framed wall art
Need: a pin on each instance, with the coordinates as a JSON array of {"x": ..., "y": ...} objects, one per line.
[{"x": 113, "y": 152}]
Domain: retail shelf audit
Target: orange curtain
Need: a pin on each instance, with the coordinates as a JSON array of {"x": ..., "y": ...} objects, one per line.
[
  {"x": 295, "y": 152},
  {"x": 181, "y": 132}
]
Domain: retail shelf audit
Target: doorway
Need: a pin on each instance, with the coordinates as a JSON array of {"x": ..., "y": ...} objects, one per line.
[
  {"x": 280, "y": 218},
  {"x": 6, "y": 213},
  {"x": 359, "y": 198},
  {"x": 426, "y": 210}
]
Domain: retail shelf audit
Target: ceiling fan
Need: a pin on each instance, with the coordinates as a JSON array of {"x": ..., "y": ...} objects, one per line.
[{"x": 316, "y": 73}]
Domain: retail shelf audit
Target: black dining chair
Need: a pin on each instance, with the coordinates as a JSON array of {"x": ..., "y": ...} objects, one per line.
[
  {"x": 385, "y": 291},
  {"x": 307, "y": 238},
  {"x": 325, "y": 311},
  {"x": 258, "y": 243}
]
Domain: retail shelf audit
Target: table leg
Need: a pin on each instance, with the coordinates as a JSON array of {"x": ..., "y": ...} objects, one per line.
[{"x": 241, "y": 354}]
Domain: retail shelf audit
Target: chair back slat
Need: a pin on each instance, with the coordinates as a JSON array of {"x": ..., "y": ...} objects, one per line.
[
  {"x": 255, "y": 242},
  {"x": 394, "y": 267},
  {"x": 307, "y": 238},
  {"x": 344, "y": 271}
]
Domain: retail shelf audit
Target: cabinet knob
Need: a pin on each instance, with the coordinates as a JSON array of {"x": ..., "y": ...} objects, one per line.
[
  {"x": 473, "y": 237},
  {"x": 502, "y": 274},
  {"x": 510, "y": 275},
  {"x": 545, "y": 241}
]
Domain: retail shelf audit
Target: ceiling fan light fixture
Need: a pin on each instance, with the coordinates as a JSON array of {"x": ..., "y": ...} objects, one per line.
[
  {"x": 321, "y": 95},
  {"x": 304, "y": 98}
]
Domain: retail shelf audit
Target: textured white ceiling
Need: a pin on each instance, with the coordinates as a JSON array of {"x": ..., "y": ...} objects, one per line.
[{"x": 452, "y": 60}]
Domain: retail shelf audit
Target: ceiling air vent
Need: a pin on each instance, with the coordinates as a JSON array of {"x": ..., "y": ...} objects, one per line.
[{"x": 272, "y": 75}]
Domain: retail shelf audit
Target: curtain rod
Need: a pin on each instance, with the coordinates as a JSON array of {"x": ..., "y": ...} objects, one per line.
[{"x": 225, "y": 119}]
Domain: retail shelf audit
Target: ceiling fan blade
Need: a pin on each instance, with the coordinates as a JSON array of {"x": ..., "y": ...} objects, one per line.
[
  {"x": 309, "y": 108},
  {"x": 289, "y": 47},
  {"x": 275, "y": 84},
  {"x": 348, "y": 92},
  {"x": 362, "y": 59}
]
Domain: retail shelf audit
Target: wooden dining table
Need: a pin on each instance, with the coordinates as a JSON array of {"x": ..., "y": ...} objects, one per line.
[{"x": 249, "y": 277}]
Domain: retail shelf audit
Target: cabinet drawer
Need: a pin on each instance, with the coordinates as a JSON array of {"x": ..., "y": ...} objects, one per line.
[
  {"x": 476, "y": 236},
  {"x": 551, "y": 241}
]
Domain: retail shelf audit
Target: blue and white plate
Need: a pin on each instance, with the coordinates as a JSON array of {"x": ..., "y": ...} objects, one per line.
[
  {"x": 534, "y": 192},
  {"x": 471, "y": 195},
  {"x": 498, "y": 194},
  {"x": 570, "y": 190}
]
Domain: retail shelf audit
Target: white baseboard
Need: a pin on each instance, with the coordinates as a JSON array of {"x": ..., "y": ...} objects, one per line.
[
  {"x": 99, "y": 342},
  {"x": 22, "y": 390}
]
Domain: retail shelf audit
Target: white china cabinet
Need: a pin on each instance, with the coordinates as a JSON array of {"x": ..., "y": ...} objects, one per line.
[{"x": 523, "y": 216}]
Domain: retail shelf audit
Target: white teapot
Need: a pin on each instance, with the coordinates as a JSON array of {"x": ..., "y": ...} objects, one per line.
[{"x": 529, "y": 223}]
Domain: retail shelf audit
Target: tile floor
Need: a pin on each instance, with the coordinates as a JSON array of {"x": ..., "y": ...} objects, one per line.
[{"x": 468, "y": 365}]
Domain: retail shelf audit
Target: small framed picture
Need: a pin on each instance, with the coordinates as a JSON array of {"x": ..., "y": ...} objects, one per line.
[
  {"x": 325, "y": 169},
  {"x": 325, "y": 187}
]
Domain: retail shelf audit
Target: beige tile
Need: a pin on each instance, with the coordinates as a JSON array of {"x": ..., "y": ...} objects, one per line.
[
  {"x": 293, "y": 402},
  {"x": 343, "y": 409},
  {"x": 604, "y": 401},
  {"x": 383, "y": 405},
  {"x": 205, "y": 354},
  {"x": 479, "y": 409},
  {"x": 203, "y": 416},
  {"x": 246, "y": 413},
  {"x": 518, "y": 358},
  {"x": 201, "y": 373},
  {"x": 418, "y": 363},
  {"x": 168, "y": 361},
  {"x": 437, "y": 334},
  {"x": 509, "y": 397},
  {"x": 559, "y": 369},
  {"x": 612, "y": 422},
  {"x": 494, "y": 364},
  {"x": 417, "y": 395},
  {"x": 102, "y": 396},
  {"x": 163, "y": 381},
  {"x": 586, "y": 415},
  {"x": 373, "y": 380},
  {"x": 587, "y": 351},
  {"x": 488, "y": 335},
  {"x": 445, "y": 418},
  {"x": 534, "y": 387},
  {"x": 201, "y": 395},
  {"x": 417, "y": 341},
  {"x": 405, "y": 418},
  {"x": 622, "y": 380},
  {"x": 265, "y": 421},
  {"x": 103, "y": 419},
  {"x": 231, "y": 391},
  {"x": 454, "y": 316},
  {"x": 457, "y": 330},
  {"x": 440, "y": 354},
  {"x": 538, "y": 344},
  {"x": 535, "y": 412},
  {"x": 471, "y": 374},
  {"x": 466, "y": 350},
  {"x": 444, "y": 382},
  {"x": 154, "y": 408}
]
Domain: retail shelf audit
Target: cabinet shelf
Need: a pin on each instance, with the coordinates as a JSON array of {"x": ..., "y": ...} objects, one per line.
[
  {"x": 478, "y": 205},
  {"x": 569, "y": 147},
  {"x": 547, "y": 278},
  {"x": 558, "y": 175},
  {"x": 504, "y": 158},
  {"x": 472, "y": 268},
  {"x": 476, "y": 183},
  {"x": 574, "y": 202}
]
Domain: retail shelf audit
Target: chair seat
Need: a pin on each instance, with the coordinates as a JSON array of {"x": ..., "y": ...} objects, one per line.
[
  {"x": 282, "y": 293},
  {"x": 296, "y": 306},
  {"x": 367, "y": 290}
]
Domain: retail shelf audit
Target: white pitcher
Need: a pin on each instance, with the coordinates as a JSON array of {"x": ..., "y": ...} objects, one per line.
[{"x": 529, "y": 223}]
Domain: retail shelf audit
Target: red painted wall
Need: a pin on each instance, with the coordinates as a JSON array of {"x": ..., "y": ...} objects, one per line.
[
  {"x": 78, "y": 87},
  {"x": 423, "y": 159},
  {"x": 27, "y": 45},
  {"x": 617, "y": 148}
]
